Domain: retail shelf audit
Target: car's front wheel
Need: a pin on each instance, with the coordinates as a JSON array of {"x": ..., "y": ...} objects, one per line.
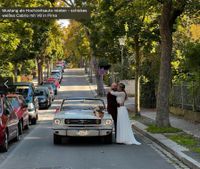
[
  {"x": 57, "y": 139},
  {"x": 20, "y": 127},
  {"x": 33, "y": 121},
  {"x": 17, "y": 137},
  {"x": 4, "y": 146}
]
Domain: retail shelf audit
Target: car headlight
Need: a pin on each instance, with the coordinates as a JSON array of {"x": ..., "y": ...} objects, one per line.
[
  {"x": 31, "y": 107},
  {"x": 57, "y": 121},
  {"x": 108, "y": 122}
]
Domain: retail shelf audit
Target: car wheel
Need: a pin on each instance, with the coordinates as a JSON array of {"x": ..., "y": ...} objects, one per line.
[
  {"x": 4, "y": 146},
  {"x": 20, "y": 127},
  {"x": 33, "y": 121},
  {"x": 27, "y": 126},
  {"x": 108, "y": 139},
  {"x": 17, "y": 138},
  {"x": 57, "y": 139}
]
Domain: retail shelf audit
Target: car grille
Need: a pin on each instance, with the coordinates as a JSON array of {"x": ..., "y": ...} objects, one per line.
[{"x": 82, "y": 121}]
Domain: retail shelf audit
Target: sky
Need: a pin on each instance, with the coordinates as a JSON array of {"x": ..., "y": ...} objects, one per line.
[{"x": 64, "y": 22}]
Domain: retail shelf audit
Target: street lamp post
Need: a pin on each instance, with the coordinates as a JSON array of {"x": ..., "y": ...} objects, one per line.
[{"x": 122, "y": 44}]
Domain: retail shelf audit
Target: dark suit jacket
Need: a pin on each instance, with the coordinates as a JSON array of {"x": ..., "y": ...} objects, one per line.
[{"x": 112, "y": 106}]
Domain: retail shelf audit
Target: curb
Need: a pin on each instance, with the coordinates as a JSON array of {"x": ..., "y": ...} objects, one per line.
[{"x": 178, "y": 154}]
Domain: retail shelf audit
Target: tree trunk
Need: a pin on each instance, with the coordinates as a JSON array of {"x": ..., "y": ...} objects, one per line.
[
  {"x": 48, "y": 67},
  {"x": 99, "y": 79},
  {"x": 15, "y": 72},
  {"x": 40, "y": 71},
  {"x": 100, "y": 85},
  {"x": 137, "y": 75},
  {"x": 94, "y": 66},
  {"x": 162, "y": 118}
]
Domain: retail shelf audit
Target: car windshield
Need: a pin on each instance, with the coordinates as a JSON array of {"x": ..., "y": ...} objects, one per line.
[
  {"x": 23, "y": 90},
  {"x": 82, "y": 104},
  {"x": 55, "y": 73},
  {"x": 39, "y": 92},
  {"x": 49, "y": 83},
  {"x": 14, "y": 102}
]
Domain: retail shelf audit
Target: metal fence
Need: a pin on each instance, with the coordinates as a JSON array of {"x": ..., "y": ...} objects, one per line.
[{"x": 186, "y": 96}]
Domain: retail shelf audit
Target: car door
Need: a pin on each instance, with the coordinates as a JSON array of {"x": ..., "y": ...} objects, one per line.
[
  {"x": 12, "y": 120},
  {"x": 24, "y": 109},
  {"x": 47, "y": 94}
]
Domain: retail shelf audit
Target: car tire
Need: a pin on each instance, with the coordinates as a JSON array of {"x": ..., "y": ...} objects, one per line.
[
  {"x": 33, "y": 121},
  {"x": 20, "y": 127},
  {"x": 4, "y": 146},
  {"x": 27, "y": 126},
  {"x": 17, "y": 138},
  {"x": 57, "y": 139},
  {"x": 108, "y": 139}
]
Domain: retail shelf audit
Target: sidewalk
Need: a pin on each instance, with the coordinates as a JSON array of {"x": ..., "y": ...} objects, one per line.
[{"x": 182, "y": 153}]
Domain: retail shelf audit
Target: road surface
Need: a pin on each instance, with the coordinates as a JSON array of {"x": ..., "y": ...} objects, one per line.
[{"x": 37, "y": 151}]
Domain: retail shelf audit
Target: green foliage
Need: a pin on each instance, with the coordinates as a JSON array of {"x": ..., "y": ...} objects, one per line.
[
  {"x": 186, "y": 140},
  {"x": 155, "y": 129}
]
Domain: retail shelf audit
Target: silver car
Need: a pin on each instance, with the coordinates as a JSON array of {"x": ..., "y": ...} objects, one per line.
[{"x": 82, "y": 117}]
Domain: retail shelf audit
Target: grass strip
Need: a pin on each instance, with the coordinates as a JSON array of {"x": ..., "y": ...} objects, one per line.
[
  {"x": 186, "y": 140},
  {"x": 155, "y": 129}
]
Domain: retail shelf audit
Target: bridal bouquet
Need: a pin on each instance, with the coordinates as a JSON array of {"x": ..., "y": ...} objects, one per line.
[{"x": 98, "y": 112}]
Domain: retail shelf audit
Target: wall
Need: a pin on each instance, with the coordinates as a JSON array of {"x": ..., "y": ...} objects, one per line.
[{"x": 130, "y": 86}]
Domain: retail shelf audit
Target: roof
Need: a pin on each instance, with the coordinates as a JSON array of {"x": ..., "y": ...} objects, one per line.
[{"x": 22, "y": 84}]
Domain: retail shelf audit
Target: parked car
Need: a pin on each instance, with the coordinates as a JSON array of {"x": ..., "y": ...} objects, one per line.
[
  {"x": 21, "y": 109},
  {"x": 60, "y": 67},
  {"x": 51, "y": 90},
  {"x": 51, "y": 84},
  {"x": 44, "y": 97},
  {"x": 55, "y": 76},
  {"x": 26, "y": 89},
  {"x": 54, "y": 81},
  {"x": 8, "y": 124},
  {"x": 58, "y": 73},
  {"x": 82, "y": 117}
]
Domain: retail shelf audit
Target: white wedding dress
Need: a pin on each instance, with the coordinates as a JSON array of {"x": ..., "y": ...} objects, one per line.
[{"x": 124, "y": 129}]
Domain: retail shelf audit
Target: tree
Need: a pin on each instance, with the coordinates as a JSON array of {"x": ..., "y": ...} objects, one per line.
[{"x": 171, "y": 10}]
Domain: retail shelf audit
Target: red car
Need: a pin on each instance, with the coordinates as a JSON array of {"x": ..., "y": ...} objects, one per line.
[
  {"x": 8, "y": 124},
  {"x": 21, "y": 109},
  {"x": 53, "y": 80}
]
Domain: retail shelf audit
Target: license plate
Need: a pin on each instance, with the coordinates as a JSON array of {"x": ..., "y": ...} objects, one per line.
[{"x": 82, "y": 132}]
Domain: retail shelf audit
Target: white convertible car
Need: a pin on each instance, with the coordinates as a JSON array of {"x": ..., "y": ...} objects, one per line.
[{"x": 82, "y": 117}]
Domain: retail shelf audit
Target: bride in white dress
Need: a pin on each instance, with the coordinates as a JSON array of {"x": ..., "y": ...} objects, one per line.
[{"x": 124, "y": 130}]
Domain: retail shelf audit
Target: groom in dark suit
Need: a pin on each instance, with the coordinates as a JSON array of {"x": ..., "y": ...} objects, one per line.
[{"x": 112, "y": 105}]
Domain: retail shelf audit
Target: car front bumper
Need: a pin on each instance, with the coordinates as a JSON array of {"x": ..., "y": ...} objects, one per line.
[
  {"x": 43, "y": 104},
  {"x": 32, "y": 114},
  {"x": 82, "y": 132}
]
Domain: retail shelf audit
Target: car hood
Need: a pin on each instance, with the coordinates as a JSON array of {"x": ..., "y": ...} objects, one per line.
[{"x": 80, "y": 114}]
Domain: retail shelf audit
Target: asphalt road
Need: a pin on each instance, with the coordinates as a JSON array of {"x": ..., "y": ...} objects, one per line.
[{"x": 37, "y": 151}]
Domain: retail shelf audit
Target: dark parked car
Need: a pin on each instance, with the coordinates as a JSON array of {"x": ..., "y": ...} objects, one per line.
[
  {"x": 26, "y": 89},
  {"x": 8, "y": 124},
  {"x": 44, "y": 97},
  {"x": 20, "y": 107},
  {"x": 51, "y": 90},
  {"x": 51, "y": 84}
]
